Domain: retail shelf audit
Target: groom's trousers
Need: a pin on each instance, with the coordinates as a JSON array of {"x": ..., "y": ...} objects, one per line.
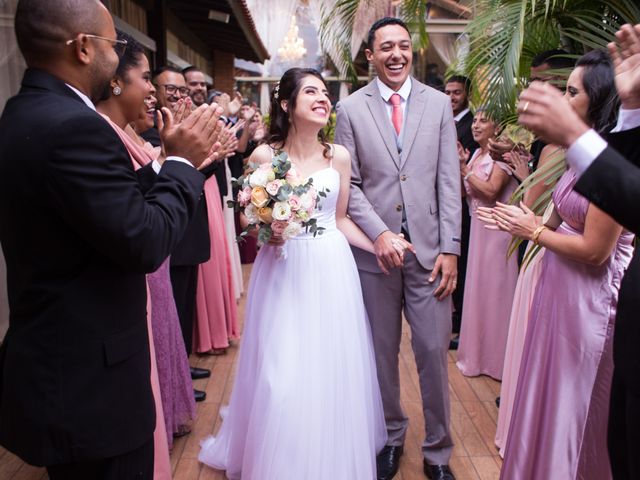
[{"x": 385, "y": 298}]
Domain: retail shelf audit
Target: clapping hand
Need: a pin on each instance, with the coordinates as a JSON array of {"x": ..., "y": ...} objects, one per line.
[
  {"x": 519, "y": 221},
  {"x": 518, "y": 162},
  {"x": 390, "y": 249},
  {"x": 626, "y": 61},
  {"x": 498, "y": 147},
  {"x": 463, "y": 154},
  {"x": 193, "y": 137},
  {"x": 543, "y": 109}
]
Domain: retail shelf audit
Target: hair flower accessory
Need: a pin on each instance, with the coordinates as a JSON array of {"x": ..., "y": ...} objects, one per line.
[{"x": 276, "y": 91}]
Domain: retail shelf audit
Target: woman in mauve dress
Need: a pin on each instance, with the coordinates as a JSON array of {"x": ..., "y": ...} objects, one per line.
[
  {"x": 132, "y": 101},
  {"x": 491, "y": 276},
  {"x": 519, "y": 320},
  {"x": 559, "y": 423}
]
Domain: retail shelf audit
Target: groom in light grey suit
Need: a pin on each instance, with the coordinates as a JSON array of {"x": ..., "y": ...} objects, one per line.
[{"x": 405, "y": 179}]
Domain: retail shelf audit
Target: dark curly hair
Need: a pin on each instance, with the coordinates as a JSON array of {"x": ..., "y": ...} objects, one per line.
[
  {"x": 287, "y": 90},
  {"x": 131, "y": 55},
  {"x": 599, "y": 85}
]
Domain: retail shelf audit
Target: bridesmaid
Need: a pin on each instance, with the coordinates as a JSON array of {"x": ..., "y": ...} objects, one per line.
[
  {"x": 491, "y": 276},
  {"x": 559, "y": 423},
  {"x": 216, "y": 312},
  {"x": 132, "y": 101},
  {"x": 522, "y": 298}
]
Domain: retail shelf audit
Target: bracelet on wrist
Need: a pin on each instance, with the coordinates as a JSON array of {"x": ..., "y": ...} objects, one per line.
[{"x": 536, "y": 234}]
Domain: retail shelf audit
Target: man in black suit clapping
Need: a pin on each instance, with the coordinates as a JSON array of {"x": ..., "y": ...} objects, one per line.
[
  {"x": 459, "y": 88},
  {"x": 78, "y": 236}
]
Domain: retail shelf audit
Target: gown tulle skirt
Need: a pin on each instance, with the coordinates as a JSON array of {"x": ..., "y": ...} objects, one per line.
[{"x": 306, "y": 402}]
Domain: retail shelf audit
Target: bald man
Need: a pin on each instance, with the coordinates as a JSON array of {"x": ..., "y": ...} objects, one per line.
[{"x": 78, "y": 236}]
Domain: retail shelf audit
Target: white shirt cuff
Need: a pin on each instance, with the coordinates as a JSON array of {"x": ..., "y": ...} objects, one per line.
[
  {"x": 156, "y": 165},
  {"x": 627, "y": 120},
  {"x": 585, "y": 150}
]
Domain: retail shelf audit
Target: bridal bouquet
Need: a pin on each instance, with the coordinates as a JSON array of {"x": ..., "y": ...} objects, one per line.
[{"x": 277, "y": 200}]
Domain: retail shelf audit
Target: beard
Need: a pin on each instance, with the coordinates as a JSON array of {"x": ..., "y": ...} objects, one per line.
[{"x": 101, "y": 75}]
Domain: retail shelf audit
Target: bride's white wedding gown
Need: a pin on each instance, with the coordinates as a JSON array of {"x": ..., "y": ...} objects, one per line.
[{"x": 305, "y": 403}]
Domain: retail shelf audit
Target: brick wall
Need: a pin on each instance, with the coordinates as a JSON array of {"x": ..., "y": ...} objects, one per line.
[{"x": 223, "y": 72}]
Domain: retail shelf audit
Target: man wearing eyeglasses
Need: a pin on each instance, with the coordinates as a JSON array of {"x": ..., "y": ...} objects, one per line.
[
  {"x": 78, "y": 236},
  {"x": 194, "y": 248}
]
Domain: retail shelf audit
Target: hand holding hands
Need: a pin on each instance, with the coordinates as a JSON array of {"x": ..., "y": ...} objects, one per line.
[
  {"x": 390, "y": 249},
  {"x": 498, "y": 147}
]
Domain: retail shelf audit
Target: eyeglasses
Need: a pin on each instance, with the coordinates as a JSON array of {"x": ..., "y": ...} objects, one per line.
[
  {"x": 172, "y": 89},
  {"x": 118, "y": 45}
]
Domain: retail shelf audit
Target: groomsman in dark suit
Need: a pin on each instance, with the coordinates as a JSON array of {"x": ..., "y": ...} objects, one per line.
[
  {"x": 459, "y": 88},
  {"x": 194, "y": 247},
  {"x": 78, "y": 236},
  {"x": 610, "y": 178}
]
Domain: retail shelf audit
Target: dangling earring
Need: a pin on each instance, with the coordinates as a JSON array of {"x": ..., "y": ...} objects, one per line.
[{"x": 117, "y": 90}]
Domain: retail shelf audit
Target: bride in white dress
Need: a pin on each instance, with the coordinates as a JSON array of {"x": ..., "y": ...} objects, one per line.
[{"x": 305, "y": 403}]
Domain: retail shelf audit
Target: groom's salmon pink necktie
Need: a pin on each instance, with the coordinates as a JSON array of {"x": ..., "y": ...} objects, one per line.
[{"x": 396, "y": 112}]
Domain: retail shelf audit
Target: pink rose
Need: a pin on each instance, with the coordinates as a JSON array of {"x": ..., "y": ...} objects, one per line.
[
  {"x": 244, "y": 196},
  {"x": 273, "y": 187},
  {"x": 278, "y": 227},
  {"x": 294, "y": 202},
  {"x": 265, "y": 166},
  {"x": 313, "y": 192}
]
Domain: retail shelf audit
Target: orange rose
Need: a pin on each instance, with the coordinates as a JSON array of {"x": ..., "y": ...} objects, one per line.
[
  {"x": 259, "y": 197},
  {"x": 265, "y": 215}
]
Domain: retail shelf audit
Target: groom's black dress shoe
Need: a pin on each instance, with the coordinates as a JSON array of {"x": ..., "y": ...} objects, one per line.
[
  {"x": 388, "y": 461},
  {"x": 438, "y": 472},
  {"x": 197, "y": 373}
]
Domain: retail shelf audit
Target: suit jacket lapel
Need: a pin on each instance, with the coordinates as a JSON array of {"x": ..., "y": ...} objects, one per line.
[
  {"x": 415, "y": 109},
  {"x": 381, "y": 118}
]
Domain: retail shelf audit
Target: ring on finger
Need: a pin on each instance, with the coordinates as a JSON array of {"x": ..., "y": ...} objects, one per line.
[{"x": 524, "y": 109}]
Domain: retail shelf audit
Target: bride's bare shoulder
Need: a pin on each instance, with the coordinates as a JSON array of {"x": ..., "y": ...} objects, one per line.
[{"x": 341, "y": 156}]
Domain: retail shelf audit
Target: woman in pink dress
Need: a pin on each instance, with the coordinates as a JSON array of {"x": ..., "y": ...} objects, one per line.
[
  {"x": 216, "y": 313},
  {"x": 132, "y": 100},
  {"x": 491, "y": 276},
  {"x": 559, "y": 423}
]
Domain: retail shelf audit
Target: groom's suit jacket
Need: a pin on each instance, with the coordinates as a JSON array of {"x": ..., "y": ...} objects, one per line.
[
  {"x": 421, "y": 177},
  {"x": 78, "y": 236},
  {"x": 612, "y": 183}
]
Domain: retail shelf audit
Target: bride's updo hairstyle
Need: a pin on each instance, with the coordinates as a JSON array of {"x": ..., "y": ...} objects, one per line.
[{"x": 287, "y": 90}]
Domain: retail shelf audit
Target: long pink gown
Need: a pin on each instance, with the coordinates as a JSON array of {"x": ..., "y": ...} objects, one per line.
[
  {"x": 216, "y": 312},
  {"x": 559, "y": 423},
  {"x": 525, "y": 289},
  {"x": 489, "y": 286}
]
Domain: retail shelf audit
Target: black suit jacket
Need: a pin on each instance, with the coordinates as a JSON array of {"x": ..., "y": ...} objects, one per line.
[
  {"x": 78, "y": 236},
  {"x": 463, "y": 129},
  {"x": 612, "y": 183},
  {"x": 194, "y": 247}
]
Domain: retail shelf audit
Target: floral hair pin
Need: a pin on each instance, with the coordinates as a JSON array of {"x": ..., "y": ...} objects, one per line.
[{"x": 276, "y": 91}]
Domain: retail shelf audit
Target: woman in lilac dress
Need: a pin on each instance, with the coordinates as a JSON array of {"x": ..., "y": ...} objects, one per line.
[
  {"x": 559, "y": 423},
  {"x": 491, "y": 276}
]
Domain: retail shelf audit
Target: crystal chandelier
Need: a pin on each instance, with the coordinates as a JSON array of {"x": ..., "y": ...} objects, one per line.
[{"x": 293, "y": 47}]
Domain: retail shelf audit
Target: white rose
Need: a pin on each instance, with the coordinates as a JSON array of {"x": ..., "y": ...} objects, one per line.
[
  {"x": 292, "y": 230},
  {"x": 251, "y": 212},
  {"x": 259, "y": 178},
  {"x": 281, "y": 211},
  {"x": 306, "y": 201}
]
